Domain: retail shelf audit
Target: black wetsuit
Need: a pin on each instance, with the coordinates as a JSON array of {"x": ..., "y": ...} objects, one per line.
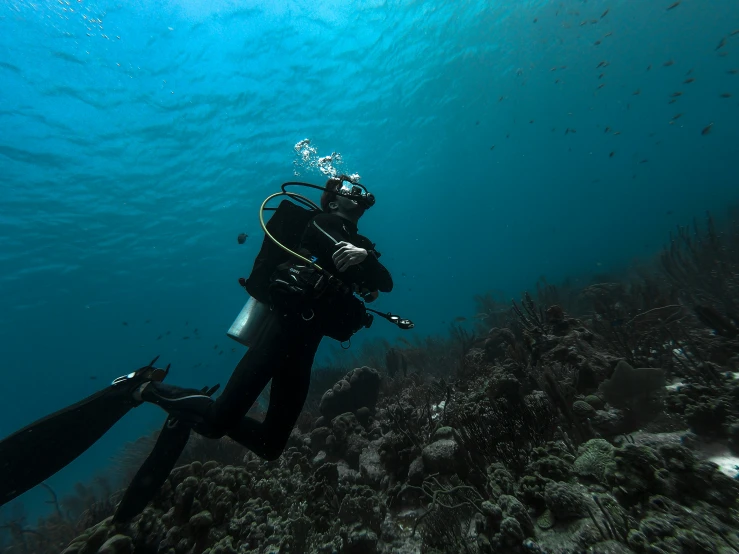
[{"x": 284, "y": 350}]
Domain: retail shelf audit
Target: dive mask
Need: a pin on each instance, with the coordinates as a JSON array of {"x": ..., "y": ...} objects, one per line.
[{"x": 356, "y": 192}]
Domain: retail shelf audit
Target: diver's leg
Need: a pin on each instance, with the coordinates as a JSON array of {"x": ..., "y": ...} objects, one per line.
[
  {"x": 38, "y": 451},
  {"x": 189, "y": 405},
  {"x": 251, "y": 375},
  {"x": 290, "y": 383},
  {"x": 212, "y": 418}
]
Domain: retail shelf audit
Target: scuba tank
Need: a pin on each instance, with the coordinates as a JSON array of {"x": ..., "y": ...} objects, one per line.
[
  {"x": 286, "y": 225},
  {"x": 250, "y": 319}
]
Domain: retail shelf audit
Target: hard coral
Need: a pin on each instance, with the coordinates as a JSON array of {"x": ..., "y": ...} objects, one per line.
[
  {"x": 593, "y": 459},
  {"x": 358, "y": 389}
]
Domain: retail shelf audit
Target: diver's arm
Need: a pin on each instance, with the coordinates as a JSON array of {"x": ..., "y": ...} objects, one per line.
[
  {"x": 375, "y": 276},
  {"x": 369, "y": 273}
]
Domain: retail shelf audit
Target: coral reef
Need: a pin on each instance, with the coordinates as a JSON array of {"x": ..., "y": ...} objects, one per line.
[{"x": 574, "y": 422}]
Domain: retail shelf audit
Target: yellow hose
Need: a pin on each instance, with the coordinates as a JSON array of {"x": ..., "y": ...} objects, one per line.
[{"x": 273, "y": 239}]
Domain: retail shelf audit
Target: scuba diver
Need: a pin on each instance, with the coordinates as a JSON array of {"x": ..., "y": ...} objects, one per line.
[{"x": 303, "y": 286}]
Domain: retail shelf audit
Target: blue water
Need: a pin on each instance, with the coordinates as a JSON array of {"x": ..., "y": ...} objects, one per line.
[{"x": 137, "y": 140}]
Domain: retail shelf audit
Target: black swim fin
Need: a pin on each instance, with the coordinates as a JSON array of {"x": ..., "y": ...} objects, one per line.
[
  {"x": 154, "y": 471},
  {"x": 38, "y": 451},
  {"x": 156, "y": 468}
]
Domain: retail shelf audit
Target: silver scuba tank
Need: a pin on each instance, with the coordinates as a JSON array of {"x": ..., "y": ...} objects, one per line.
[{"x": 245, "y": 327}]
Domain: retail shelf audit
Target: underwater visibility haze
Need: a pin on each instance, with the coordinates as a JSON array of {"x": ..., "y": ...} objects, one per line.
[{"x": 556, "y": 190}]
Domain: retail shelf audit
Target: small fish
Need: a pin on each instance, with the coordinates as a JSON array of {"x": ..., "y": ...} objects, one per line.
[
  {"x": 605, "y": 13},
  {"x": 707, "y": 128},
  {"x": 636, "y": 92},
  {"x": 233, "y": 350},
  {"x": 725, "y": 95},
  {"x": 215, "y": 347},
  {"x": 643, "y": 161},
  {"x": 733, "y": 71},
  {"x": 723, "y": 54},
  {"x": 607, "y": 129},
  {"x": 185, "y": 338},
  {"x": 583, "y": 23},
  {"x": 187, "y": 323},
  {"x": 476, "y": 123},
  {"x": 147, "y": 321},
  {"x": 481, "y": 315},
  {"x": 168, "y": 332},
  {"x": 602, "y": 64},
  {"x": 460, "y": 318},
  {"x": 159, "y": 337},
  {"x": 721, "y": 43},
  {"x": 242, "y": 238},
  {"x": 493, "y": 146},
  {"x": 689, "y": 72},
  {"x": 668, "y": 63},
  {"x": 556, "y": 81},
  {"x": 535, "y": 20},
  {"x": 677, "y": 116},
  {"x": 611, "y": 154},
  {"x": 601, "y": 75},
  {"x": 649, "y": 67},
  {"x": 531, "y": 120},
  {"x": 608, "y": 34},
  {"x": 617, "y": 133},
  {"x": 673, "y": 5},
  {"x": 669, "y": 212},
  {"x": 93, "y": 377},
  {"x": 688, "y": 80},
  {"x": 221, "y": 352},
  {"x": 593, "y": 21},
  {"x": 500, "y": 99},
  {"x": 672, "y": 101},
  {"x": 125, "y": 323},
  {"x": 554, "y": 68},
  {"x": 596, "y": 43},
  {"x": 563, "y": 67},
  {"x": 734, "y": 32},
  {"x": 600, "y": 86},
  {"x": 676, "y": 94}
]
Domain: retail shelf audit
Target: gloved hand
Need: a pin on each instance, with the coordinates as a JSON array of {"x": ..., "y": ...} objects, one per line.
[{"x": 348, "y": 255}]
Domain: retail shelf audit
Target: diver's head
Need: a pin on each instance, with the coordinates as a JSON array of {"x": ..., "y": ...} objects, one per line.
[{"x": 346, "y": 198}]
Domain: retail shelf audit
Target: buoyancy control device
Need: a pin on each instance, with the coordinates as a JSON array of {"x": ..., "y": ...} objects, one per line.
[{"x": 289, "y": 280}]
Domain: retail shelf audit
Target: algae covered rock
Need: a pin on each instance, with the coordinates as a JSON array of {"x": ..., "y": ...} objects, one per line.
[
  {"x": 564, "y": 500},
  {"x": 595, "y": 401},
  {"x": 117, "y": 544},
  {"x": 582, "y": 409},
  {"x": 442, "y": 456}
]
